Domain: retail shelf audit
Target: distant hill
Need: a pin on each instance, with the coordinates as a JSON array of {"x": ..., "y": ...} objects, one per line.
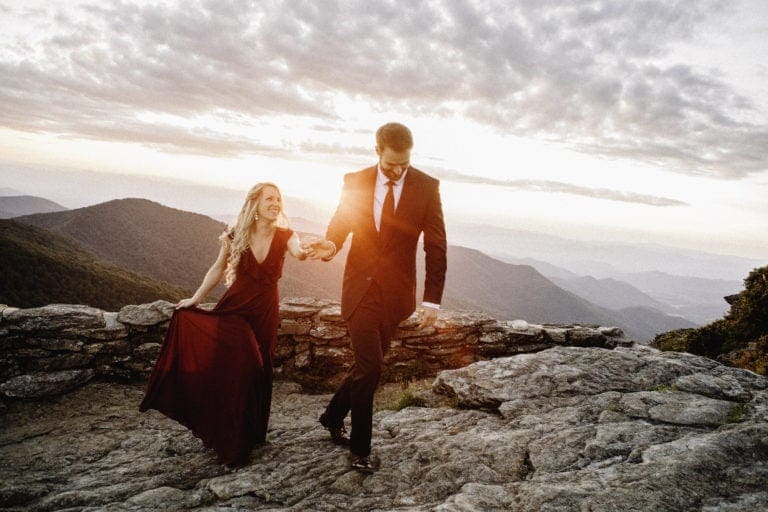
[
  {"x": 178, "y": 247},
  {"x": 546, "y": 269},
  {"x": 172, "y": 245},
  {"x": 610, "y": 293},
  {"x": 40, "y": 267},
  {"x": 143, "y": 236},
  {"x": 698, "y": 299},
  {"x": 640, "y": 313},
  {"x": 509, "y": 292},
  {"x": 650, "y": 322},
  {"x": 15, "y": 206}
]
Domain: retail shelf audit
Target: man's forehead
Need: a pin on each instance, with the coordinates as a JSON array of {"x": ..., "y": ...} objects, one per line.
[{"x": 392, "y": 155}]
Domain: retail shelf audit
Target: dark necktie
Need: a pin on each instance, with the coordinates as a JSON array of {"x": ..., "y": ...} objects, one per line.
[{"x": 387, "y": 213}]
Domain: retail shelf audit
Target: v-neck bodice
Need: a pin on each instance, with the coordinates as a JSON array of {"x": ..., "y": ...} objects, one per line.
[
  {"x": 269, "y": 250},
  {"x": 254, "y": 279}
]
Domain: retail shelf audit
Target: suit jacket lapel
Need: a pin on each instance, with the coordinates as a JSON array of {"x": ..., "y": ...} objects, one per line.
[{"x": 407, "y": 196}]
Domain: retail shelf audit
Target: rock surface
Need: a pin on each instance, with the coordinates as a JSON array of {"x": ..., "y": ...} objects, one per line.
[{"x": 564, "y": 429}]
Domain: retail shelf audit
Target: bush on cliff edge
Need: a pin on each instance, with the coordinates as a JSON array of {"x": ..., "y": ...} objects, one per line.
[{"x": 740, "y": 338}]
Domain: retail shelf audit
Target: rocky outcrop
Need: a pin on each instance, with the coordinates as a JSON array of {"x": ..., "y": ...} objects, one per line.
[
  {"x": 52, "y": 349},
  {"x": 563, "y": 429}
]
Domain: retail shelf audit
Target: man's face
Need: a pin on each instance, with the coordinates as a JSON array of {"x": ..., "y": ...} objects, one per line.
[{"x": 393, "y": 163}]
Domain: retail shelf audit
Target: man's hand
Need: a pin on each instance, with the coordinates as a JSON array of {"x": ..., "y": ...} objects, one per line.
[
  {"x": 426, "y": 317},
  {"x": 319, "y": 249}
]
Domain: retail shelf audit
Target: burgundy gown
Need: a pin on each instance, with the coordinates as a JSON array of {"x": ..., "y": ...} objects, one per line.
[{"x": 214, "y": 372}]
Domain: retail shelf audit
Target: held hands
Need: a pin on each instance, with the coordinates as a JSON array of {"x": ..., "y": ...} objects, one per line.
[
  {"x": 187, "y": 303},
  {"x": 426, "y": 317},
  {"x": 318, "y": 249}
]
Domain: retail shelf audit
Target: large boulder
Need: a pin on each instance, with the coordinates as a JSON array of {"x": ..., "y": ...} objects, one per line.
[
  {"x": 569, "y": 371},
  {"x": 146, "y": 314}
]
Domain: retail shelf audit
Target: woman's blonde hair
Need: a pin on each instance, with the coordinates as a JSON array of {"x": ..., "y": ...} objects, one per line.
[{"x": 238, "y": 235}]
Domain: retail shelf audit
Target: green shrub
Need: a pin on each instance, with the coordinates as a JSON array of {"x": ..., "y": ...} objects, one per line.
[
  {"x": 740, "y": 338},
  {"x": 749, "y": 312},
  {"x": 664, "y": 388}
]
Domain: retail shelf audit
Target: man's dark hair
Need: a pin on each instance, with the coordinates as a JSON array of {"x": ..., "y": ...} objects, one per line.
[{"x": 395, "y": 136}]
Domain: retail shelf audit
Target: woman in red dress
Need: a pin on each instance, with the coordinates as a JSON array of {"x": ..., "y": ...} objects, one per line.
[{"x": 214, "y": 372}]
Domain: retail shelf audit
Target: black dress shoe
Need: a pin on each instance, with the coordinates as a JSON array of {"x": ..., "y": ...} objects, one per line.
[
  {"x": 338, "y": 433},
  {"x": 363, "y": 464}
]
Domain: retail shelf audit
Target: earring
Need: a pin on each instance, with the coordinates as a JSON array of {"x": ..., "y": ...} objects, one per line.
[{"x": 256, "y": 216}]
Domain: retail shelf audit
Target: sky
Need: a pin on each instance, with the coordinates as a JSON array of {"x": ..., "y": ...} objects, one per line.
[{"x": 639, "y": 120}]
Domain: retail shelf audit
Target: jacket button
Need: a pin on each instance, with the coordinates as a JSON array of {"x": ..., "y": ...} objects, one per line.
[{"x": 368, "y": 278}]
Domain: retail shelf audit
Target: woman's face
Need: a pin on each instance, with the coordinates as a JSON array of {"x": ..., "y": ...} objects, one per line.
[{"x": 270, "y": 205}]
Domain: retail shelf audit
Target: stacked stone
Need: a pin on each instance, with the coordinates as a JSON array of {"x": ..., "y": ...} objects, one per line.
[
  {"x": 53, "y": 349},
  {"x": 314, "y": 346}
]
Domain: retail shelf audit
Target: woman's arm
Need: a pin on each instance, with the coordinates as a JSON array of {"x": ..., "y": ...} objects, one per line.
[
  {"x": 211, "y": 279},
  {"x": 294, "y": 247}
]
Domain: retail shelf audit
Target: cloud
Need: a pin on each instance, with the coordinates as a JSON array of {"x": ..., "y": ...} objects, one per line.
[
  {"x": 589, "y": 75},
  {"x": 561, "y": 188}
]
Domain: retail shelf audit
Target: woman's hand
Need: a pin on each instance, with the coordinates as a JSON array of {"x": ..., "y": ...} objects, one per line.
[
  {"x": 187, "y": 303},
  {"x": 319, "y": 249}
]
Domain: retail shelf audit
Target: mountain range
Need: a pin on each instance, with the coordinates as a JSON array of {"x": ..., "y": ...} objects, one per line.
[
  {"x": 600, "y": 258},
  {"x": 700, "y": 300},
  {"x": 509, "y": 291},
  {"x": 137, "y": 234},
  {"x": 694, "y": 298},
  {"x": 609, "y": 292},
  {"x": 597, "y": 258},
  {"x": 177, "y": 246},
  {"x": 41, "y": 267}
]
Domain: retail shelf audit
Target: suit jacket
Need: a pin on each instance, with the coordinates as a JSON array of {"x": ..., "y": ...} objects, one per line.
[{"x": 392, "y": 262}]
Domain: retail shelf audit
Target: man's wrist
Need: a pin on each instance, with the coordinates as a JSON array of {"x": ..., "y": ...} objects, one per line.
[{"x": 330, "y": 257}]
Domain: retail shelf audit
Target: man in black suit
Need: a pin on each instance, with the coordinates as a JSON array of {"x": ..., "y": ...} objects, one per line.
[{"x": 386, "y": 208}]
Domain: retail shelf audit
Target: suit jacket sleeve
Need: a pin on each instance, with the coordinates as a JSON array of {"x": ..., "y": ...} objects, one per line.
[
  {"x": 435, "y": 247},
  {"x": 341, "y": 222}
]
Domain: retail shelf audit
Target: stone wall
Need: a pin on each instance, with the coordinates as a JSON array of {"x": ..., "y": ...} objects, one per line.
[{"x": 56, "y": 348}]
